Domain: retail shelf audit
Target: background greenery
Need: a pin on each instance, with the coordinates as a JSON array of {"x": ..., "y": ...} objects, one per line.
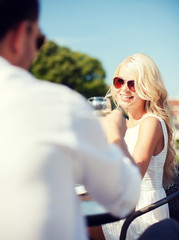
[{"x": 74, "y": 69}]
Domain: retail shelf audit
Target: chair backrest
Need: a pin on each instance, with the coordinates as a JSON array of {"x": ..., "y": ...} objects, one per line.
[
  {"x": 172, "y": 199},
  {"x": 144, "y": 210},
  {"x": 174, "y": 204}
]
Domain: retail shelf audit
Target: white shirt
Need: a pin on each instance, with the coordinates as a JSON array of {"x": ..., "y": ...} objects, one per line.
[{"x": 50, "y": 140}]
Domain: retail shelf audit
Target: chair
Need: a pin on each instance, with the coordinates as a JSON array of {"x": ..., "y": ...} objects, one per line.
[
  {"x": 174, "y": 204},
  {"x": 149, "y": 208},
  {"x": 172, "y": 199}
]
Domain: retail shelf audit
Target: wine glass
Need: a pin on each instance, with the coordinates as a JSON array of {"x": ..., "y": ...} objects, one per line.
[{"x": 101, "y": 105}]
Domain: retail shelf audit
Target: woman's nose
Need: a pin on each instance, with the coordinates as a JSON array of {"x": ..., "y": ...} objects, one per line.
[{"x": 124, "y": 86}]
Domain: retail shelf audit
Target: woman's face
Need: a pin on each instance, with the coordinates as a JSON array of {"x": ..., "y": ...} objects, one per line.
[{"x": 129, "y": 99}]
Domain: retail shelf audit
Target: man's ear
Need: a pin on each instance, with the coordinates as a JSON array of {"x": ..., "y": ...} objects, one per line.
[{"x": 18, "y": 37}]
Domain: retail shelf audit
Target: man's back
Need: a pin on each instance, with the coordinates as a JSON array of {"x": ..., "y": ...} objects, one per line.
[
  {"x": 36, "y": 174},
  {"x": 50, "y": 141},
  {"x": 34, "y": 166}
]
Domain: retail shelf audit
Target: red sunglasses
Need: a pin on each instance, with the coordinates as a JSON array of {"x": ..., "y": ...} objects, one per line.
[{"x": 119, "y": 82}]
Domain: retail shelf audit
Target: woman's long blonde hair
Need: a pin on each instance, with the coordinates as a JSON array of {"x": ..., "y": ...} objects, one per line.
[{"x": 149, "y": 86}]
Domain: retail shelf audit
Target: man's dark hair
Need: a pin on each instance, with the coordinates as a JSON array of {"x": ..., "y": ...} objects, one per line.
[{"x": 13, "y": 12}]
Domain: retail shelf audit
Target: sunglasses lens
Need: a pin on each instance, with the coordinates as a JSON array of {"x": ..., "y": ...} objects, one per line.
[
  {"x": 40, "y": 41},
  {"x": 131, "y": 86},
  {"x": 118, "y": 82}
]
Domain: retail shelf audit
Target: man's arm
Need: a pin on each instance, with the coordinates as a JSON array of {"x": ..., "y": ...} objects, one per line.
[{"x": 114, "y": 126}]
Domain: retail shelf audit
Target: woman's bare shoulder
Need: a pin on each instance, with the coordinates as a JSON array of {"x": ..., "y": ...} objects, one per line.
[{"x": 151, "y": 124}]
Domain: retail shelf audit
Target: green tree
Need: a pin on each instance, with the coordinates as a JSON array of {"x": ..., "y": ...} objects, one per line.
[{"x": 74, "y": 69}]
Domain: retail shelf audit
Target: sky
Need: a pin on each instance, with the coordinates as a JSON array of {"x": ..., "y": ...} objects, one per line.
[{"x": 112, "y": 30}]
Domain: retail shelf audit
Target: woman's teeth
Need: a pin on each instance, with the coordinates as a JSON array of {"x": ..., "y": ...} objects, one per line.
[{"x": 126, "y": 97}]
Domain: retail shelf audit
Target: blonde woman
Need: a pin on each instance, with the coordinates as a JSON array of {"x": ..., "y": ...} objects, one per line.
[{"x": 138, "y": 88}]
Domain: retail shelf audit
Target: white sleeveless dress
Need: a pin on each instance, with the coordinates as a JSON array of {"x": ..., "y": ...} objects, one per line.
[{"x": 151, "y": 190}]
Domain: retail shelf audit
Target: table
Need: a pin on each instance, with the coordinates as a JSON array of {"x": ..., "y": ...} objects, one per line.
[{"x": 95, "y": 213}]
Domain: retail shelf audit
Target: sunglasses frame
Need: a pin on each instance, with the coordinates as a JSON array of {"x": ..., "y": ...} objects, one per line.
[
  {"x": 131, "y": 88},
  {"x": 40, "y": 40}
]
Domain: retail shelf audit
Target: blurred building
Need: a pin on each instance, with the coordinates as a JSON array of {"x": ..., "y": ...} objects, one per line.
[{"x": 174, "y": 103}]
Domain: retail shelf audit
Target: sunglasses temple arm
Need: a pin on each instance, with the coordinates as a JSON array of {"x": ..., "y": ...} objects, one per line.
[{"x": 123, "y": 112}]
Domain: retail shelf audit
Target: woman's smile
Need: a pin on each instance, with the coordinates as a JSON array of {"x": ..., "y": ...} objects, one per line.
[{"x": 126, "y": 98}]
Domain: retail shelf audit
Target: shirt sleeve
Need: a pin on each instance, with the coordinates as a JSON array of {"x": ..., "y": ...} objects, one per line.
[{"x": 108, "y": 175}]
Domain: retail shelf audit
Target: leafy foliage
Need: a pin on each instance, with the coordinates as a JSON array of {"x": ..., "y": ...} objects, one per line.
[{"x": 74, "y": 69}]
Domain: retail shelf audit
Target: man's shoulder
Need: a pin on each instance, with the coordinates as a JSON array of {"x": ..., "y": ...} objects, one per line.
[{"x": 23, "y": 83}]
